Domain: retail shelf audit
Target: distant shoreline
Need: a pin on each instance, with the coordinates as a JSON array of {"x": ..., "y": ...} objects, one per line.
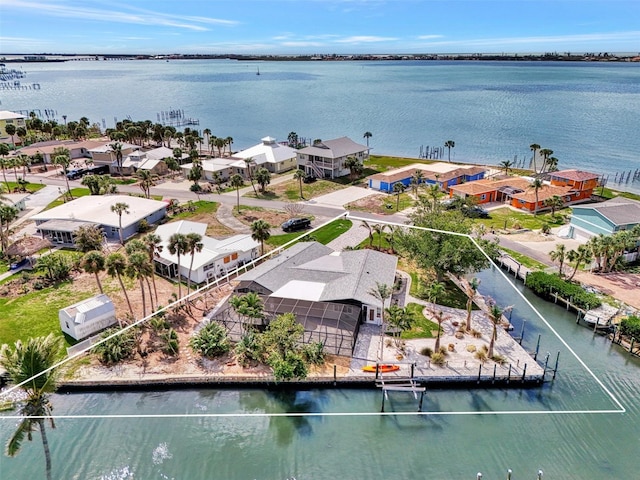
[{"x": 546, "y": 57}]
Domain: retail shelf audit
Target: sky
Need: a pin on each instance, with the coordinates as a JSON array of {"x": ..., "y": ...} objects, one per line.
[{"x": 318, "y": 26}]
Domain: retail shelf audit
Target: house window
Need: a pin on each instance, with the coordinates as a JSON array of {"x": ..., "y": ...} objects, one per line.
[
  {"x": 234, "y": 256},
  {"x": 208, "y": 267},
  {"x": 483, "y": 196},
  {"x": 227, "y": 259}
]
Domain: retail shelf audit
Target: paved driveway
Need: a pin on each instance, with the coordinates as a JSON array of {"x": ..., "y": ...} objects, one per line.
[{"x": 344, "y": 196}]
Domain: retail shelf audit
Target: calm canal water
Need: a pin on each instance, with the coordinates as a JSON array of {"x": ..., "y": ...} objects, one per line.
[
  {"x": 587, "y": 113},
  {"x": 234, "y": 434}
]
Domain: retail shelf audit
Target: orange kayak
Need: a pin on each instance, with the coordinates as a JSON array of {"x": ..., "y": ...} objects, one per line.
[{"x": 381, "y": 368}]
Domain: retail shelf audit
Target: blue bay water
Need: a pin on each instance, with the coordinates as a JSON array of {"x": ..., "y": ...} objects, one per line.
[
  {"x": 562, "y": 428},
  {"x": 587, "y": 113}
]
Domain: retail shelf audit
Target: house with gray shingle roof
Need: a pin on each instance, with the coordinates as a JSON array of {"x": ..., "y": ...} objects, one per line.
[
  {"x": 326, "y": 159},
  {"x": 328, "y": 291},
  {"x": 611, "y": 216}
]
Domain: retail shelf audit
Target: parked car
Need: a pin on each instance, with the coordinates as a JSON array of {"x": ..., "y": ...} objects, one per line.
[
  {"x": 309, "y": 178},
  {"x": 475, "y": 212},
  {"x": 19, "y": 264},
  {"x": 295, "y": 224}
]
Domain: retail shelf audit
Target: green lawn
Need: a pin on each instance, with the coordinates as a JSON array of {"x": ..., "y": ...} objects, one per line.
[
  {"x": 31, "y": 187},
  {"x": 381, "y": 163},
  {"x": 524, "y": 260},
  {"x": 422, "y": 327},
  {"x": 323, "y": 235},
  {"x": 75, "y": 192},
  {"x": 202, "y": 207},
  {"x": 502, "y": 218},
  {"x": 36, "y": 313},
  {"x": 609, "y": 193}
]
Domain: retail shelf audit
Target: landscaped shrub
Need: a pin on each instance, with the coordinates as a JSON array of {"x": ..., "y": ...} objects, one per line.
[
  {"x": 248, "y": 349},
  {"x": 118, "y": 348},
  {"x": 630, "y": 327},
  {"x": 211, "y": 341},
  {"x": 481, "y": 355},
  {"x": 314, "y": 353},
  {"x": 426, "y": 351},
  {"x": 547, "y": 284},
  {"x": 438, "y": 359}
]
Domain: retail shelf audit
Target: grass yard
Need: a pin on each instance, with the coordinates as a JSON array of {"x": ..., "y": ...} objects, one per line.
[
  {"x": 31, "y": 187},
  {"x": 422, "y": 327},
  {"x": 36, "y": 313},
  {"x": 505, "y": 218},
  {"x": 291, "y": 190},
  {"x": 205, "y": 212},
  {"x": 524, "y": 260},
  {"x": 381, "y": 163},
  {"x": 382, "y": 204},
  {"x": 609, "y": 193},
  {"x": 323, "y": 235},
  {"x": 75, "y": 192}
]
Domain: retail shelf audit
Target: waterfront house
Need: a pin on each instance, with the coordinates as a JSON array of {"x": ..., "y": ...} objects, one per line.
[
  {"x": 325, "y": 159},
  {"x": 10, "y": 118},
  {"x": 614, "y": 215},
  {"x": 582, "y": 183},
  {"x": 328, "y": 291},
  {"x": 150, "y": 160},
  {"x": 79, "y": 151},
  {"x": 486, "y": 190},
  {"x": 273, "y": 156},
  {"x": 216, "y": 259},
  {"x": 103, "y": 153},
  {"x": 526, "y": 200},
  {"x": 445, "y": 175},
  {"x": 60, "y": 223},
  {"x": 87, "y": 317},
  {"x": 223, "y": 167}
]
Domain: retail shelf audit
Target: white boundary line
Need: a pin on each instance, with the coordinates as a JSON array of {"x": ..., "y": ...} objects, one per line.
[
  {"x": 317, "y": 414},
  {"x": 346, "y": 215}
]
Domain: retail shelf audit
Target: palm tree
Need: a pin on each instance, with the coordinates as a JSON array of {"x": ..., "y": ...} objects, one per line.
[
  {"x": 249, "y": 163},
  {"x": 559, "y": 255},
  {"x": 495, "y": 315},
  {"x": 260, "y": 232},
  {"x": 299, "y": 175},
  {"x": 94, "y": 262},
  {"x": 552, "y": 164},
  {"x": 400, "y": 319},
  {"x": 146, "y": 181},
  {"x": 8, "y": 214},
  {"x": 578, "y": 257},
  {"x": 536, "y": 185},
  {"x": 534, "y": 148},
  {"x": 30, "y": 365},
  {"x": 4, "y": 162},
  {"x": 366, "y": 225},
  {"x": 138, "y": 268},
  {"x": 352, "y": 163},
  {"x": 450, "y": 144},
  {"x": 116, "y": 148},
  {"x": 248, "y": 305},
  {"x": 237, "y": 182},
  {"x": 470, "y": 290},
  {"x": 263, "y": 177},
  {"x": 207, "y": 135},
  {"x": 119, "y": 208},
  {"x": 416, "y": 180},
  {"x": 154, "y": 246},
  {"x": 116, "y": 265},
  {"x": 546, "y": 153},
  {"x": 64, "y": 161},
  {"x": 367, "y": 136},
  {"x": 194, "y": 244},
  {"x": 398, "y": 188},
  {"x": 506, "y": 165},
  {"x": 439, "y": 317},
  {"x": 178, "y": 246},
  {"x": 434, "y": 193},
  {"x": 381, "y": 292},
  {"x": 11, "y": 131},
  {"x": 434, "y": 291},
  {"x": 554, "y": 203}
]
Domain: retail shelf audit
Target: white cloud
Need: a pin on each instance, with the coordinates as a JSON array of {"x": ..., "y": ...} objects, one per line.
[
  {"x": 111, "y": 15},
  {"x": 429, "y": 37},
  {"x": 365, "y": 39}
]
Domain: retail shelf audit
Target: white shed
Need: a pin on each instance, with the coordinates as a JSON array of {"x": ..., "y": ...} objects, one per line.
[{"x": 87, "y": 317}]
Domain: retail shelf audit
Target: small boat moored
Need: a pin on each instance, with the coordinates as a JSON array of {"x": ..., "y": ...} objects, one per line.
[{"x": 382, "y": 368}]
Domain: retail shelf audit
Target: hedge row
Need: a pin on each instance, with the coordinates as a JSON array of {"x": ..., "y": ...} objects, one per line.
[
  {"x": 630, "y": 327},
  {"x": 547, "y": 284}
]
